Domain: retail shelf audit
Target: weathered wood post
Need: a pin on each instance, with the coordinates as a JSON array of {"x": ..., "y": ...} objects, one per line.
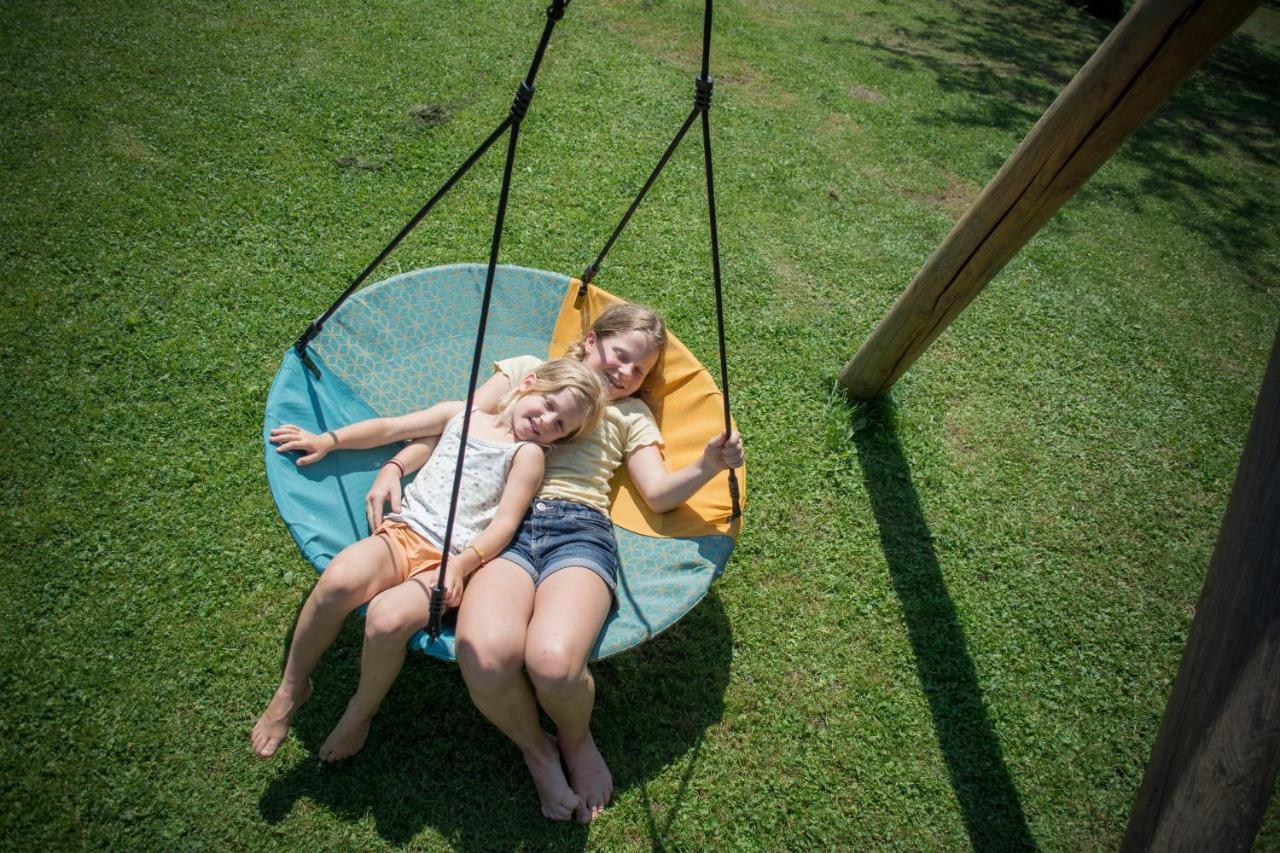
[
  {"x": 1149, "y": 53},
  {"x": 1215, "y": 759}
]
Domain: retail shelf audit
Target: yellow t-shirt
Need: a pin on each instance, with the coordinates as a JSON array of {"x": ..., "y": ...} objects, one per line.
[{"x": 580, "y": 470}]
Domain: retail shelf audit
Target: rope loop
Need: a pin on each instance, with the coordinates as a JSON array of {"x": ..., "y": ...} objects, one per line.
[
  {"x": 556, "y": 10},
  {"x": 521, "y": 104},
  {"x": 702, "y": 93}
]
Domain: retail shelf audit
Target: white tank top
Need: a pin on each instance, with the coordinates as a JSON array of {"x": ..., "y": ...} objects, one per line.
[{"x": 425, "y": 507}]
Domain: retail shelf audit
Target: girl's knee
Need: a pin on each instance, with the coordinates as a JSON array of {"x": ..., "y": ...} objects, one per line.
[
  {"x": 487, "y": 661},
  {"x": 553, "y": 665},
  {"x": 388, "y": 618},
  {"x": 336, "y": 587}
]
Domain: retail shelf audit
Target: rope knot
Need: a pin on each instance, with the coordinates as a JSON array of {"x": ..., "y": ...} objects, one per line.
[
  {"x": 520, "y": 105},
  {"x": 702, "y": 93}
]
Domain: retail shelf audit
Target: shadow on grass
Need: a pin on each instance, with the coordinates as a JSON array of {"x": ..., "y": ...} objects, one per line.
[
  {"x": 1017, "y": 58},
  {"x": 433, "y": 761},
  {"x": 988, "y": 800}
]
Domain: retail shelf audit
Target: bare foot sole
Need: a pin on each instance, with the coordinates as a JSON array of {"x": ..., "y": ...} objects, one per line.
[
  {"x": 559, "y": 802},
  {"x": 272, "y": 727},
  {"x": 590, "y": 778},
  {"x": 347, "y": 737}
]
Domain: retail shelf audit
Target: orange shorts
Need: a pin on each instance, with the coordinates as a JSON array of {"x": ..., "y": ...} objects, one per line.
[{"x": 413, "y": 554}]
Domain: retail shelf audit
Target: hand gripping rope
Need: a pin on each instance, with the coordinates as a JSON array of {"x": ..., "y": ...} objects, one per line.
[{"x": 701, "y": 106}]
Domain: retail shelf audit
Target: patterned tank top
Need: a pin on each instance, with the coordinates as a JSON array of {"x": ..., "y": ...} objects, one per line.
[{"x": 425, "y": 507}]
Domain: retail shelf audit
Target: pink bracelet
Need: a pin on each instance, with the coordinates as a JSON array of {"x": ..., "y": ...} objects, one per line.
[{"x": 397, "y": 463}]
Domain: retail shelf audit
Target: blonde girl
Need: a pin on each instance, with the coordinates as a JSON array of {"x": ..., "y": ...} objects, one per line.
[
  {"x": 541, "y": 603},
  {"x": 395, "y": 568}
]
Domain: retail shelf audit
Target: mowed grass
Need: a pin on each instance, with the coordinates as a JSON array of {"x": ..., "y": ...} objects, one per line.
[{"x": 954, "y": 615}]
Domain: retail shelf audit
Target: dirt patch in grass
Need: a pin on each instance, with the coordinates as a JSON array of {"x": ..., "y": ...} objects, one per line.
[
  {"x": 953, "y": 198},
  {"x": 862, "y": 93},
  {"x": 124, "y": 142},
  {"x": 959, "y": 437},
  {"x": 796, "y": 299},
  {"x": 429, "y": 115},
  {"x": 839, "y": 125},
  {"x": 362, "y": 162}
]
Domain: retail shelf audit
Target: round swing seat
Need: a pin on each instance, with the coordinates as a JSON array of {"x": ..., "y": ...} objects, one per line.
[{"x": 407, "y": 342}]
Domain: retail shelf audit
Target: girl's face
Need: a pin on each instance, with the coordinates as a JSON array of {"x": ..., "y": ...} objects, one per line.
[
  {"x": 546, "y": 417},
  {"x": 623, "y": 360}
]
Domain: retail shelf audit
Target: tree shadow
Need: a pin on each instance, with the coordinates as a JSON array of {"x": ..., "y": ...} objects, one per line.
[
  {"x": 1017, "y": 57},
  {"x": 432, "y": 760},
  {"x": 988, "y": 799}
]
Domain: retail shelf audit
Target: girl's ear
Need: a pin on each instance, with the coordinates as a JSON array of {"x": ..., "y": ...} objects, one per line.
[
  {"x": 527, "y": 382},
  {"x": 589, "y": 339}
]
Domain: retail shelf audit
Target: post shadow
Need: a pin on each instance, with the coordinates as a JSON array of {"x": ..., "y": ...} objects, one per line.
[
  {"x": 988, "y": 799},
  {"x": 433, "y": 760}
]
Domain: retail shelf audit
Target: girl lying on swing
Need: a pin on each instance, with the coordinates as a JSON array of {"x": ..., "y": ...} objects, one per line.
[{"x": 394, "y": 569}]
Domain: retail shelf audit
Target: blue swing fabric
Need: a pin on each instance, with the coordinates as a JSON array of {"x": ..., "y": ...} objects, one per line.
[{"x": 405, "y": 343}]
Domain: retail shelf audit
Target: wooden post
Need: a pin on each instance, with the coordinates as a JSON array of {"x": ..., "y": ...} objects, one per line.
[
  {"x": 1218, "y": 750},
  {"x": 1149, "y": 53}
]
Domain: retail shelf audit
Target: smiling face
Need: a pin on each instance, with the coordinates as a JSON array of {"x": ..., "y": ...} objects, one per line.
[
  {"x": 546, "y": 417},
  {"x": 623, "y": 360}
]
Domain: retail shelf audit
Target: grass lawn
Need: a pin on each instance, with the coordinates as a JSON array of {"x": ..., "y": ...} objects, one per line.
[{"x": 953, "y": 617}]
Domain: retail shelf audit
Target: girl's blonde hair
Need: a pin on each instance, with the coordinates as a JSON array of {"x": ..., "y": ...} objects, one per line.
[
  {"x": 620, "y": 319},
  {"x": 561, "y": 374}
]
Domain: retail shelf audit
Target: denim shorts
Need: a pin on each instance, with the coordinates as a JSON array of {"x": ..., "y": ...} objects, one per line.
[{"x": 556, "y": 534}]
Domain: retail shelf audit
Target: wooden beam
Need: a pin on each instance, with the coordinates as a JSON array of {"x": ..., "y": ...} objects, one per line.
[
  {"x": 1148, "y": 54},
  {"x": 1218, "y": 750}
]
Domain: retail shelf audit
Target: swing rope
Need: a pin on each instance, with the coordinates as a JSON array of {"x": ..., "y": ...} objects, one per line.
[
  {"x": 518, "y": 109},
  {"x": 521, "y": 104},
  {"x": 701, "y": 105}
]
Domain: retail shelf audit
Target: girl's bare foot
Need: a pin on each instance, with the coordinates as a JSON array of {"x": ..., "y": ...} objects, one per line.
[
  {"x": 347, "y": 737},
  {"x": 559, "y": 802},
  {"x": 590, "y": 778},
  {"x": 272, "y": 727}
]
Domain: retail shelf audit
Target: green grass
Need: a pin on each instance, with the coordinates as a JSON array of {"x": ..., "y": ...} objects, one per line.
[{"x": 953, "y": 617}]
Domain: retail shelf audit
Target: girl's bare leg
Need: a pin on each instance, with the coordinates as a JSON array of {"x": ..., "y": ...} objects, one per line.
[
  {"x": 358, "y": 573},
  {"x": 392, "y": 618},
  {"x": 490, "y": 646},
  {"x": 569, "y": 609}
]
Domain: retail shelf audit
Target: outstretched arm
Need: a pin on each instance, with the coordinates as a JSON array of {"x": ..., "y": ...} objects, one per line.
[
  {"x": 362, "y": 435},
  {"x": 665, "y": 490}
]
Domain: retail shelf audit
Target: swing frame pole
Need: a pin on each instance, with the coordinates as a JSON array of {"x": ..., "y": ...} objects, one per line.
[
  {"x": 1156, "y": 46},
  {"x": 1215, "y": 759}
]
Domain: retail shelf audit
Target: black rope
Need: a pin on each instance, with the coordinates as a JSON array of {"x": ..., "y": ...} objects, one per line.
[
  {"x": 734, "y": 498},
  {"x": 701, "y": 105},
  {"x": 318, "y": 324},
  {"x": 594, "y": 267},
  {"x": 519, "y": 107},
  {"x": 437, "y": 592},
  {"x": 702, "y": 102}
]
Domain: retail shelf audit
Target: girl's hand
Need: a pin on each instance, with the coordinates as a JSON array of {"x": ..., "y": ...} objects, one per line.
[
  {"x": 454, "y": 583},
  {"x": 724, "y": 451},
  {"x": 289, "y": 438},
  {"x": 385, "y": 490}
]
